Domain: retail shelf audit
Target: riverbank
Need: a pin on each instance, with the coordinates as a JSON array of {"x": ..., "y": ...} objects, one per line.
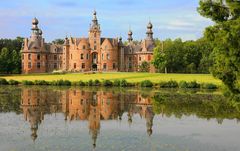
[
  {"x": 156, "y": 80},
  {"x": 130, "y": 77}
]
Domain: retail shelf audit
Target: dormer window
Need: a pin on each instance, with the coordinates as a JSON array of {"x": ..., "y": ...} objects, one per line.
[{"x": 84, "y": 47}]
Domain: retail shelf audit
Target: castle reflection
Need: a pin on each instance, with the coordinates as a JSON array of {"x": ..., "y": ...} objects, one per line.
[{"x": 90, "y": 105}]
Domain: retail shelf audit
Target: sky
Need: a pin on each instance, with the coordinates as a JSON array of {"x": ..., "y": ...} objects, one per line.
[{"x": 58, "y": 18}]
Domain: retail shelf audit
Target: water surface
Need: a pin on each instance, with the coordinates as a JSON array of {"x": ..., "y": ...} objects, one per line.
[{"x": 105, "y": 119}]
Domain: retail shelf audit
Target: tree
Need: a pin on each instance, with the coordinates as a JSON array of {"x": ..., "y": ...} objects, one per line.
[
  {"x": 144, "y": 67},
  {"x": 5, "y": 61},
  {"x": 225, "y": 40},
  {"x": 159, "y": 60},
  {"x": 58, "y": 41}
]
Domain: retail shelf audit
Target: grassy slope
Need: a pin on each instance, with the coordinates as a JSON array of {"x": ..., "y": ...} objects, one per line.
[{"x": 130, "y": 77}]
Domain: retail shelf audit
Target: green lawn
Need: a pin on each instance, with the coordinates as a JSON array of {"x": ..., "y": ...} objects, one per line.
[{"x": 130, "y": 77}]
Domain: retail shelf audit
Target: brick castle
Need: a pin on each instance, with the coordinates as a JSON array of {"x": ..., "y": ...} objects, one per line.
[{"x": 94, "y": 53}]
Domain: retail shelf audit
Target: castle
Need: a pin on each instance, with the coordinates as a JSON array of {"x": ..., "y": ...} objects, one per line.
[{"x": 94, "y": 53}]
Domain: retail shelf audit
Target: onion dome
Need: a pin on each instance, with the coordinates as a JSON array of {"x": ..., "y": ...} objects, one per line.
[
  {"x": 35, "y": 21},
  {"x": 130, "y": 32},
  {"x": 149, "y": 26}
]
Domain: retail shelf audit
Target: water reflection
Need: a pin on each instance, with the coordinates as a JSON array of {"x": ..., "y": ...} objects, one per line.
[
  {"x": 93, "y": 106},
  {"x": 96, "y": 105}
]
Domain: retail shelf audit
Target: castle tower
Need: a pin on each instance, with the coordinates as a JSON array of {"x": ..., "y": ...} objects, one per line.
[
  {"x": 66, "y": 54},
  {"x": 95, "y": 42},
  {"x": 130, "y": 39},
  {"x": 34, "y": 54},
  {"x": 121, "y": 55},
  {"x": 149, "y": 31}
]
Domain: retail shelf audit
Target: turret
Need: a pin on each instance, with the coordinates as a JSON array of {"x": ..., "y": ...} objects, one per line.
[
  {"x": 130, "y": 36},
  {"x": 149, "y": 31}
]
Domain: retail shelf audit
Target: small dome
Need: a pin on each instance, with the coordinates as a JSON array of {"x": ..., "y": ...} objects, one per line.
[
  {"x": 149, "y": 25},
  {"x": 130, "y": 32},
  {"x": 94, "y": 12},
  {"x": 35, "y": 21}
]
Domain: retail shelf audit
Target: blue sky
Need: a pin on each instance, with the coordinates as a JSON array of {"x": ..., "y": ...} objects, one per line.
[{"x": 58, "y": 18}]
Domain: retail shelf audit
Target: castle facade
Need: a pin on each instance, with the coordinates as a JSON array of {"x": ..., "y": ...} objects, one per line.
[{"x": 94, "y": 53}]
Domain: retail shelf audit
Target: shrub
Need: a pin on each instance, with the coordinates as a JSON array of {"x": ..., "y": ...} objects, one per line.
[
  {"x": 193, "y": 84},
  {"x": 81, "y": 83},
  {"x": 61, "y": 83},
  {"x": 96, "y": 82},
  {"x": 3, "y": 81},
  {"x": 168, "y": 84},
  {"x": 116, "y": 82},
  {"x": 146, "y": 83},
  {"x": 123, "y": 83},
  {"x": 13, "y": 82},
  {"x": 107, "y": 83},
  {"x": 90, "y": 83},
  {"x": 208, "y": 86},
  {"x": 184, "y": 84},
  {"x": 41, "y": 82},
  {"x": 26, "y": 82}
]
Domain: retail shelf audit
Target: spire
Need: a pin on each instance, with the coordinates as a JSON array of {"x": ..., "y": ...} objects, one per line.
[
  {"x": 95, "y": 24},
  {"x": 149, "y": 31}
]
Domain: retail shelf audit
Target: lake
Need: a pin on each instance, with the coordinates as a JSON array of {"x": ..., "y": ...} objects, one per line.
[{"x": 108, "y": 119}]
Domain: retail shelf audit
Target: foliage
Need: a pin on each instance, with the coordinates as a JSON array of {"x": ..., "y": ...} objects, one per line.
[
  {"x": 144, "y": 67},
  {"x": 192, "y": 84},
  {"x": 58, "y": 41},
  {"x": 3, "y": 81},
  {"x": 13, "y": 82},
  {"x": 209, "y": 86},
  {"x": 26, "y": 82},
  {"x": 224, "y": 38},
  {"x": 107, "y": 83},
  {"x": 177, "y": 56},
  {"x": 168, "y": 84},
  {"x": 10, "y": 58},
  {"x": 40, "y": 82},
  {"x": 146, "y": 83},
  {"x": 61, "y": 83}
]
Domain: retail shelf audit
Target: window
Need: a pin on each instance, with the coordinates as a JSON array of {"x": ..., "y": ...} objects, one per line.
[
  {"x": 22, "y": 56},
  {"x": 95, "y": 47},
  {"x": 38, "y": 57},
  {"x": 74, "y": 66},
  {"x": 102, "y": 56},
  {"x": 29, "y": 64},
  {"x": 130, "y": 58},
  {"x": 55, "y": 65},
  {"x": 87, "y": 56},
  {"x": 38, "y": 65},
  {"x": 114, "y": 66},
  {"x": 149, "y": 57},
  {"x": 130, "y": 65},
  {"x": 46, "y": 57},
  {"x": 55, "y": 57},
  {"x": 71, "y": 56},
  {"x": 83, "y": 65},
  {"x": 108, "y": 56},
  {"x": 140, "y": 58},
  {"x": 81, "y": 56},
  {"x": 84, "y": 47},
  {"x": 29, "y": 56},
  {"x": 104, "y": 66}
]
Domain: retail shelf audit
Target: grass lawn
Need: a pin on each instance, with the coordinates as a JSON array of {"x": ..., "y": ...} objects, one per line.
[{"x": 130, "y": 77}]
